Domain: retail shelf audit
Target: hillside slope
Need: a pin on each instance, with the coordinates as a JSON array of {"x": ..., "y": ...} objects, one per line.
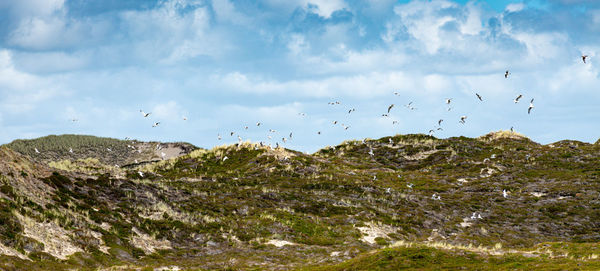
[{"x": 248, "y": 206}]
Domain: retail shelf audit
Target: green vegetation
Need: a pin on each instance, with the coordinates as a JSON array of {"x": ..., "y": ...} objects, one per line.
[{"x": 246, "y": 206}]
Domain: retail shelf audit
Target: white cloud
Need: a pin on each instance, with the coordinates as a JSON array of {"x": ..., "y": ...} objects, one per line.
[{"x": 514, "y": 7}]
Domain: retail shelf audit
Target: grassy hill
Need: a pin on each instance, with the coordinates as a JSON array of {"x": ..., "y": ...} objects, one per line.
[
  {"x": 251, "y": 207},
  {"x": 99, "y": 151}
]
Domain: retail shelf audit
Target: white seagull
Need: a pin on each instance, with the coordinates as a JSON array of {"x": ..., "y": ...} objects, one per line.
[
  {"x": 504, "y": 193},
  {"x": 530, "y": 107},
  {"x": 145, "y": 114},
  {"x": 516, "y": 100},
  {"x": 36, "y": 150},
  {"x": 506, "y": 74},
  {"x": 156, "y": 124},
  {"x": 583, "y": 57},
  {"x": 462, "y": 119}
]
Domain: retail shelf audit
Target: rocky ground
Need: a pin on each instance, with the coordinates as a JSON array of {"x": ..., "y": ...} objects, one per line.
[{"x": 497, "y": 198}]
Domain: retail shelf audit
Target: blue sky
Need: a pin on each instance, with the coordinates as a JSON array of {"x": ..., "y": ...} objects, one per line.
[{"x": 228, "y": 64}]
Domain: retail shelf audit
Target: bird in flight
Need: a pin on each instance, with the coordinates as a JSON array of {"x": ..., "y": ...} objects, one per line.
[
  {"x": 156, "y": 124},
  {"x": 258, "y": 124},
  {"x": 351, "y": 110},
  {"x": 448, "y": 100},
  {"x": 506, "y": 74},
  {"x": 144, "y": 113},
  {"x": 231, "y": 133},
  {"x": 530, "y": 107},
  {"x": 184, "y": 118},
  {"x": 390, "y": 108},
  {"x": 219, "y": 136},
  {"x": 518, "y": 97},
  {"x": 479, "y": 97},
  {"x": 440, "y": 122},
  {"x": 409, "y": 106},
  {"x": 462, "y": 119},
  {"x": 584, "y": 57}
]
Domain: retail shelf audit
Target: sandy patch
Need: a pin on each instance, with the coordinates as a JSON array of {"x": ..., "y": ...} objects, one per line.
[
  {"x": 279, "y": 243},
  {"x": 147, "y": 243},
  {"x": 372, "y": 231},
  {"x": 56, "y": 240}
]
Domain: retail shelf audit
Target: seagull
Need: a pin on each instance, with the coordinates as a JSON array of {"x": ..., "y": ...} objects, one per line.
[
  {"x": 431, "y": 132},
  {"x": 74, "y": 120},
  {"x": 156, "y": 124},
  {"x": 258, "y": 124},
  {"x": 390, "y": 141},
  {"x": 334, "y": 122},
  {"x": 239, "y": 139},
  {"x": 436, "y": 197},
  {"x": 108, "y": 149},
  {"x": 225, "y": 158},
  {"x": 290, "y": 135},
  {"x": 479, "y": 97},
  {"x": 440, "y": 122},
  {"x": 269, "y": 137},
  {"x": 141, "y": 174},
  {"x": 390, "y": 108},
  {"x": 504, "y": 193},
  {"x": 71, "y": 150},
  {"x": 516, "y": 100},
  {"x": 351, "y": 110},
  {"x": 302, "y": 114},
  {"x": 145, "y": 114},
  {"x": 219, "y": 137},
  {"x": 462, "y": 119},
  {"x": 319, "y": 132},
  {"x": 409, "y": 106},
  {"x": 409, "y": 185},
  {"x": 162, "y": 154},
  {"x": 473, "y": 216},
  {"x": 493, "y": 156},
  {"x": 506, "y": 74},
  {"x": 385, "y": 115},
  {"x": 448, "y": 100},
  {"x": 530, "y": 107},
  {"x": 583, "y": 57},
  {"x": 36, "y": 150},
  {"x": 272, "y": 131},
  {"x": 395, "y": 122},
  {"x": 246, "y": 127},
  {"x": 371, "y": 151},
  {"x": 479, "y": 216},
  {"x": 396, "y": 93},
  {"x": 135, "y": 161},
  {"x": 440, "y": 129}
]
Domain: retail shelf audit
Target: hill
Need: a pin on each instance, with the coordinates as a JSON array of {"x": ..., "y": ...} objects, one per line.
[
  {"x": 106, "y": 151},
  {"x": 249, "y": 206}
]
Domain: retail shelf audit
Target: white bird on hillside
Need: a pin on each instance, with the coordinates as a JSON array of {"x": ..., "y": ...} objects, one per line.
[
  {"x": 225, "y": 158},
  {"x": 71, "y": 150},
  {"x": 145, "y": 114},
  {"x": 36, "y": 150},
  {"x": 409, "y": 185},
  {"x": 479, "y": 216},
  {"x": 239, "y": 139},
  {"x": 108, "y": 149},
  {"x": 516, "y": 100},
  {"x": 530, "y": 107},
  {"x": 474, "y": 216},
  {"x": 504, "y": 193},
  {"x": 431, "y": 132},
  {"x": 162, "y": 154},
  {"x": 141, "y": 174},
  {"x": 371, "y": 151}
]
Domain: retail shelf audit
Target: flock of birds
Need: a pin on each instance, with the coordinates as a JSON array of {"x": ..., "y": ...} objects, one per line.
[{"x": 410, "y": 106}]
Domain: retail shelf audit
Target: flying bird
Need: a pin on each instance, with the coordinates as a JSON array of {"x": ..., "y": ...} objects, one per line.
[
  {"x": 290, "y": 135},
  {"x": 219, "y": 137},
  {"x": 506, "y": 74},
  {"x": 448, "y": 100},
  {"x": 258, "y": 124},
  {"x": 440, "y": 122},
  {"x": 390, "y": 108},
  {"x": 530, "y": 107},
  {"x": 583, "y": 57},
  {"x": 479, "y": 97},
  {"x": 145, "y": 114},
  {"x": 462, "y": 119},
  {"x": 431, "y": 132},
  {"x": 184, "y": 118},
  {"x": 351, "y": 110},
  {"x": 516, "y": 100},
  {"x": 231, "y": 133},
  {"x": 156, "y": 124}
]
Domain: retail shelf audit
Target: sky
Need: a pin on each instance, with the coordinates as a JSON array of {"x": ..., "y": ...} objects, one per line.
[{"x": 227, "y": 64}]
